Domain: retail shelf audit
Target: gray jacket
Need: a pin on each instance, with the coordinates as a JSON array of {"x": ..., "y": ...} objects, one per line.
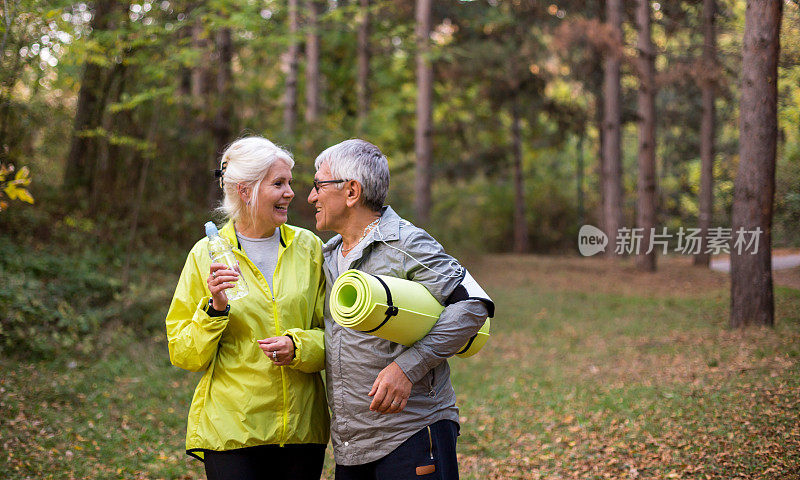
[{"x": 353, "y": 359}]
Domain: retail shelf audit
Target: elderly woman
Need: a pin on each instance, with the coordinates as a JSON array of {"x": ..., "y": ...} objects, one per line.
[
  {"x": 260, "y": 406},
  {"x": 394, "y": 413}
]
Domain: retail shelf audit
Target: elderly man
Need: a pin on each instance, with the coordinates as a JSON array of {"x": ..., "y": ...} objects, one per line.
[{"x": 394, "y": 413}]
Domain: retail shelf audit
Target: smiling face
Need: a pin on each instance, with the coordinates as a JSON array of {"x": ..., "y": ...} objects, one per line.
[
  {"x": 330, "y": 201},
  {"x": 273, "y": 198}
]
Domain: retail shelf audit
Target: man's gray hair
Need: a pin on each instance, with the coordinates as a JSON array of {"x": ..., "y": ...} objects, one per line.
[{"x": 363, "y": 162}]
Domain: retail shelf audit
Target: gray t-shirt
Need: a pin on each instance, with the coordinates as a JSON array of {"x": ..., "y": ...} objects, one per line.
[
  {"x": 263, "y": 252},
  {"x": 344, "y": 261}
]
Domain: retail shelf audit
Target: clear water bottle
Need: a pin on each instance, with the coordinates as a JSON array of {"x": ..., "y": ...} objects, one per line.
[{"x": 221, "y": 252}]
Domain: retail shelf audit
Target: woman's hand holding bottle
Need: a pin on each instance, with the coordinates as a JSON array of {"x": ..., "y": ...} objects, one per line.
[{"x": 220, "y": 279}]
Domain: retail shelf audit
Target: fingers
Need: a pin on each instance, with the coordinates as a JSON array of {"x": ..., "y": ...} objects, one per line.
[
  {"x": 397, "y": 406},
  {"x": 279, "y": 350},
  {"x": 386, "y": 399},
  {"x": 390, "y": 391},
  {"x": 220, "y": 279},
  {"x": 378, "y": 399},
  {"x": 375, "y": 385},
  {"x": 217, "y": 269},
  {"x": 386, "y": 404}
]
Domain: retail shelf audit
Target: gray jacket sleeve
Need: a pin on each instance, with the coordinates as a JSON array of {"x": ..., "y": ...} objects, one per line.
[{"x": 457, "y": 323}]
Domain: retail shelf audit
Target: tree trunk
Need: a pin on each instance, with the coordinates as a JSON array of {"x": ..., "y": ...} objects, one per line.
[
  {"x": 10, "y": 136},
  {"x": 201, "y": 78},
  {"x": 707, "y": 129},
  {"x": 89, "y": 113},
  {"x": 646, "y": 198},
  {"x": 186, "y": 117},
  {"x": 751, "y": 274},
  {"x": 612, "y": 149},
  {"x": 362, "y": 84},
  {"x": 9, "y": 73},
  {"x": 599, "y": 113},
  {"x": 580, "y": 173},
  {"x": 422, "y": 139},
  {"x": 140, "y": 189},
  {"x": 222, "y": 129},
  {"x": 312, "y": 63},
  {"x": 106, "y": 165},
  {"x": 520, "y": 222},
  {"x": 597, "y": 85},
  {"x": 194, "y": 85},
  {"x": 8, "y": 20},
  {"x": 290, "y": 96}
]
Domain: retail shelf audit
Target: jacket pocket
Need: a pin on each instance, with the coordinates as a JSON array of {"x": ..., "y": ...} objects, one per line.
[{"x": 426, "y": 386}]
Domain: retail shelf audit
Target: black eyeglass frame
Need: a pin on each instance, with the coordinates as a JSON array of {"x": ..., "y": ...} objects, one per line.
[{"x": 317, "y": 183}]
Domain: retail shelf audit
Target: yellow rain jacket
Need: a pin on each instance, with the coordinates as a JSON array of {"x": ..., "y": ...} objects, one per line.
[{"x": 243, "y": 399}]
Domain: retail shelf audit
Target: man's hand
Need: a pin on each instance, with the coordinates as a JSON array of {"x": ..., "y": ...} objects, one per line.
[{"x": 390, "y": 390}]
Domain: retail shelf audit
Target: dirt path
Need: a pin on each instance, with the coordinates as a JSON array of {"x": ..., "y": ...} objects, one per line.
[
  {"x": 782, "y": 262},
  {"x": 675, "y": 277}
]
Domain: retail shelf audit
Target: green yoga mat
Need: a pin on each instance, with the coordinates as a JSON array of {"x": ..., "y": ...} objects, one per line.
[{"x": 359, "y": 301}]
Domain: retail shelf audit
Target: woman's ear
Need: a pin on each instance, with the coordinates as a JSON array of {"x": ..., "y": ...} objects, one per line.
[
  {"x": 353, "y": 193},
  {"x": 244, "y": 193}
]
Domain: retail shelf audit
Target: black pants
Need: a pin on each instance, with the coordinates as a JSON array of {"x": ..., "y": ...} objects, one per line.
[
  {"x": 302, "y": 462},
  {"x": 428, "y": 454}
]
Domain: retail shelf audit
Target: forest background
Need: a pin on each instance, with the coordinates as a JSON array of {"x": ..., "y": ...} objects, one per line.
[
  {"x": 492, "y": 114},
  {"x": 120, "y": 110}
]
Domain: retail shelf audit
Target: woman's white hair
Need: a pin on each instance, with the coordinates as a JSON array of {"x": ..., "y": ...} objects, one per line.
[
  {"x": 246, "y": 162},
  {"x": 361, "y": 161}
]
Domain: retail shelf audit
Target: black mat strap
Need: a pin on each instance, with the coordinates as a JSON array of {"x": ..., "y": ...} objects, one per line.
[
  {"x": 469, "y": 344},
  {"x": 391, "y": 311}
]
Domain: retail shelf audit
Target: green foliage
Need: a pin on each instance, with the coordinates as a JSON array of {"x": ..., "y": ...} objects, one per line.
[
  {"x": 473, "y": 216},
  {"x": 13, "y": 186},
  {"x": 787, "y": 175},
  {"x": 55, "y": 301},
  {"x": 63, "y": 282},
  {"x": 787, "y": 199},
  {"x": 50, "y": 301}
]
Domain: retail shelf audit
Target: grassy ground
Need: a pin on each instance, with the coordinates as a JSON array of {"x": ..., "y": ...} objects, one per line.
[{"x": 593, "y": 371}]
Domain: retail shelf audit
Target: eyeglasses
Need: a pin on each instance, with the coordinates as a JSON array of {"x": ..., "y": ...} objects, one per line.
[{"x": 317, "y": 183}]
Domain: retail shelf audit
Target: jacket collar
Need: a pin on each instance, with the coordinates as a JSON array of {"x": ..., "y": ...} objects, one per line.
[
  {"x": 388, "y": 227},
  {"x": 229, "y": 232}
]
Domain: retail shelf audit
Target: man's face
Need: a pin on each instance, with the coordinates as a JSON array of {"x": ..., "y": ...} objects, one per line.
[{"x": 329, "y": 201}]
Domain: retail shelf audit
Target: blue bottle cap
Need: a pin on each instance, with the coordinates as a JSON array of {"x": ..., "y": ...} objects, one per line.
[{"x": 211, "y": 229}]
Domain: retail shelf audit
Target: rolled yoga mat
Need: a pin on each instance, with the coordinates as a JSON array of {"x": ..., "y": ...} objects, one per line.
[{"x": 392, "y": 308}]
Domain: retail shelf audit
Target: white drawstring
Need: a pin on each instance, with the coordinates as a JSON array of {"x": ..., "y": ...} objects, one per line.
[{"x": 457, "y": 266}]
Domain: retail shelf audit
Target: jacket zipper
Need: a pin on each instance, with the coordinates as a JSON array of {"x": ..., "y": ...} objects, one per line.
[
  {"x": 430, "y": 442},
  {"x": 285, "y": 416},
  {"x": 277, "y": 333}
]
